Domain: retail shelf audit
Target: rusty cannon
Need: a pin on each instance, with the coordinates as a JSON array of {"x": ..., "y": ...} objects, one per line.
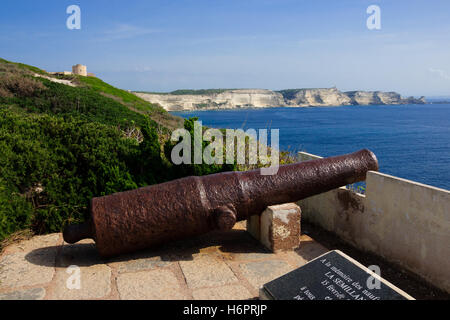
[{"x": 137, "y": 219}]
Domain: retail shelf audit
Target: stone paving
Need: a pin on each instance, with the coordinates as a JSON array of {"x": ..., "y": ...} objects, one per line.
[{"x": 221, "y": 266}]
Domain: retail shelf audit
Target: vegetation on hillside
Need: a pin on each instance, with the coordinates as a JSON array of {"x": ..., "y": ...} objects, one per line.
[{"x": 61, "y": 145}]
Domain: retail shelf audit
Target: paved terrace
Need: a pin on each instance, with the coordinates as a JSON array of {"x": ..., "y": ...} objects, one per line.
[{"x": 220, "y": 265}]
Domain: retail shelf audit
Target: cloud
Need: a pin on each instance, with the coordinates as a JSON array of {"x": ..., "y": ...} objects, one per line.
[
  {"x": 126, "y": 31},
  {"x": 440, "y": 73}
]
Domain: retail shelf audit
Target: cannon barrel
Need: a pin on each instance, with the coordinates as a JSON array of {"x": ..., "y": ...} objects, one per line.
[{"x": 137, "y": 219}]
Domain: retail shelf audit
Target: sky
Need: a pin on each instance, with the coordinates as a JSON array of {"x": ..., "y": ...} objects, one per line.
[{"x": 153, "y": 45}]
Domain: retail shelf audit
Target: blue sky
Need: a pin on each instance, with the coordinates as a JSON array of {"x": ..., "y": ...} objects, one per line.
[{"x": 274, "y": 44}]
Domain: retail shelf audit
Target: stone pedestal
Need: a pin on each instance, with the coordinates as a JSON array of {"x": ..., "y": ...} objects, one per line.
[{"x": 278, "y": 227}]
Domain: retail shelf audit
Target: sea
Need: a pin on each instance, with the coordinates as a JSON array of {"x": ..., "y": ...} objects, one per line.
[{"x": 410, "y": 141}]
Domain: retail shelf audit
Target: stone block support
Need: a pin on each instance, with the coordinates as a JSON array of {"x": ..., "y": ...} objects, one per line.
[{"x": 278, "y": 227}]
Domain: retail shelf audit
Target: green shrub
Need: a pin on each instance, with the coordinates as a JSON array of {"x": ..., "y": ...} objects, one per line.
[
  {"x": 15, "y": 211},
  {"x": 58, "y": 164},
  {"x": 196, "y": 169}
]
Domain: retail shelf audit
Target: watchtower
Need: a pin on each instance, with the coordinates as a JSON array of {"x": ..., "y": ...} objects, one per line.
[{"x": 80, "y": 70}]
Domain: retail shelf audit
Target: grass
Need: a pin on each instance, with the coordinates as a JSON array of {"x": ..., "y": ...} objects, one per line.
[
  {"x": 133, "y": 102},
  {"x": 98, "y": 85}
]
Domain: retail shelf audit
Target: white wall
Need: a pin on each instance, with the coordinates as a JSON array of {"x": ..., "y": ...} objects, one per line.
[{"x": 403, "y": 221}]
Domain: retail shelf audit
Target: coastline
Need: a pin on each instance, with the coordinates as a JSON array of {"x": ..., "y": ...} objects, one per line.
[
  {"x": 300, "y": 107},
  {"x": 215, "y": 99}
]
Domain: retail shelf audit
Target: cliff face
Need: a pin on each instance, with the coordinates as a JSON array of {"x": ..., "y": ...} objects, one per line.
[
  {"x": 315, "y": 97},
  {"x": 228, "y": 99},
  {"x": 259, "y": 98}
]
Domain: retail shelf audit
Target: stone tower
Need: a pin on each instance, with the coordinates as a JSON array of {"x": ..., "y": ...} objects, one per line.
[{"x": 80, "y": 70}]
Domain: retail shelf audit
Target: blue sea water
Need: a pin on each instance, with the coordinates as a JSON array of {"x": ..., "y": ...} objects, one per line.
[{"x": 410, "y": 141}]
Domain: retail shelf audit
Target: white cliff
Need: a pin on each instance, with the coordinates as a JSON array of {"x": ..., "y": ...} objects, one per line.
[{"x": 261, "y": 98}]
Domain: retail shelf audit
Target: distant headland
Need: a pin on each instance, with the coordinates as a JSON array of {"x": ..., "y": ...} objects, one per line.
[{"x": 261, "y": 98}]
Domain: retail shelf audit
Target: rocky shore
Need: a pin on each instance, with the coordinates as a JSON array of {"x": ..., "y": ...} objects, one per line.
[{"x": 261, "y": 98}]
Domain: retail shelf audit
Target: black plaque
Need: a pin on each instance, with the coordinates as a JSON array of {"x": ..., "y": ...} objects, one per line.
[{"x": 332, "y": 276}]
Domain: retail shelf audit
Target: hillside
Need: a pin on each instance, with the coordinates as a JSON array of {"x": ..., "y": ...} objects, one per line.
[
  {"x": 64, "y": 140},
  {"x": 89, "y": 97},
  {"x": 261, "y": 98}
]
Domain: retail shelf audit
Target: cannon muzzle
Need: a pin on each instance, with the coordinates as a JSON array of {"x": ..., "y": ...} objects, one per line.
[{"x": 137, "y": 219}]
